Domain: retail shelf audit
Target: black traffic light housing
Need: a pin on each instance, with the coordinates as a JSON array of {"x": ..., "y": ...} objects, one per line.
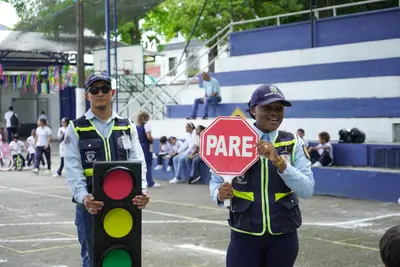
[{"x": 117, "y": 229}]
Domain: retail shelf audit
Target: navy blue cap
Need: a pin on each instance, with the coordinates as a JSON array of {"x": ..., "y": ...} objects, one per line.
[
  {"x": 97, "y": 76},
  {"x": 267, "y": 94}
]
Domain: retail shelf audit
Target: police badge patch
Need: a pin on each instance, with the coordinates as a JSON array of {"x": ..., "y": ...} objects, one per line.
[
  {"x": 90, "y": 156},
  {"x": 306, "y": 152}
]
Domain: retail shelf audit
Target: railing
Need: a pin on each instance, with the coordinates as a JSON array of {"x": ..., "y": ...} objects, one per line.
[{"x": 217, "y": 39}]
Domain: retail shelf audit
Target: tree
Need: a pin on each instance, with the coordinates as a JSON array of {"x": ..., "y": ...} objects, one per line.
[
  {"x": 173, "y": 16},
  {"x": 59, "y": 16}
]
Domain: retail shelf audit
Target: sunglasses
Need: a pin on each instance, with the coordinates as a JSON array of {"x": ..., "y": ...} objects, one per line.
[{"x": 95, "y": 90}]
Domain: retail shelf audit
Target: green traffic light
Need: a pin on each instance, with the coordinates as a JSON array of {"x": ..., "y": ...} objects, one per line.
[{"x": 117, "y": 257}]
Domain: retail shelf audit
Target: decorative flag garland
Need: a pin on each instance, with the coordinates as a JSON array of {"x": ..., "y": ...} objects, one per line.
[{"x": 52, "y": 79}]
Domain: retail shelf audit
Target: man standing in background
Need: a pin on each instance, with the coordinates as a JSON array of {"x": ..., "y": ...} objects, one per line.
[{"x": 212, "y": 96}]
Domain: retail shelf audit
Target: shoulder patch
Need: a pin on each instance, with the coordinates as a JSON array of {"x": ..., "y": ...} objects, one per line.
[
  {"x": 67, "y": 140},
  {"x": 306, "y": 152}
]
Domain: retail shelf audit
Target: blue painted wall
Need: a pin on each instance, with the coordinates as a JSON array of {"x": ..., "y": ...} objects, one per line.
[
  {"x": 361, "y": 27},
  {"x": 323, "y": 108},
  {"x": 330, "y": 71},
  {"x": 367, "y": 185}
]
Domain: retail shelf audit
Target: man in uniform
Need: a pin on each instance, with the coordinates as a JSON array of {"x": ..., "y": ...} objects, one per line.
[{"x": 99, "y": 135}]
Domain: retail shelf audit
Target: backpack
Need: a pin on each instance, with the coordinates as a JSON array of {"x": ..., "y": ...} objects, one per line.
[{"x": 14, "y": 120}]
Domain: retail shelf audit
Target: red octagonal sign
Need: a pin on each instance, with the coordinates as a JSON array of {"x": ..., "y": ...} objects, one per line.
[{"x": 227, "y": 146}]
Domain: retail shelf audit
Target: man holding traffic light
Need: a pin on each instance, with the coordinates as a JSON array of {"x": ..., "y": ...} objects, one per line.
[{"x": 99, "y": 135}]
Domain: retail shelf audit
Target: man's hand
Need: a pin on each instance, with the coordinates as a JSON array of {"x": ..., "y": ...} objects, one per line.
[
  {"x": 225, "y": 191},
  {"x": 91, "y": 205},
  {"x": 267, "y": 150},
  {"x": 141, "y": 200}
]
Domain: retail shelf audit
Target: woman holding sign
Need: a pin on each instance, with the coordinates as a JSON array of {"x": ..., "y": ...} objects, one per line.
[{"x": 264, "y": 213}]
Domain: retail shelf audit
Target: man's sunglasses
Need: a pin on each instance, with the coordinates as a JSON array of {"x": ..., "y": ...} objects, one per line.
[{"x": 95, "y": 90}]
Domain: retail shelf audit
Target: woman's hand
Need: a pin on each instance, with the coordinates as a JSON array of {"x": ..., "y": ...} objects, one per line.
[
  {"x": 225, "y": 191},
  {"x": 267, "y": 150}
]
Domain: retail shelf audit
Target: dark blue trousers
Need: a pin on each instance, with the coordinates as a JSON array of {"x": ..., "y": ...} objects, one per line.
[
  {"x": 83, "y": 222},
  {"x": 262, "y": 251}
]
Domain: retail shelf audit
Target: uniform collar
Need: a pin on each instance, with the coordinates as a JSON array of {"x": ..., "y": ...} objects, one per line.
[
  {"x": 270, "y": 136},
  {"x": 89, "y": 115}
]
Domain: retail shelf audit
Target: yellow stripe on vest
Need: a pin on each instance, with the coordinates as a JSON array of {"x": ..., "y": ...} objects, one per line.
[
  {"x": 121, "y": 128},
  {"x": 84, "y": 129},
  {"x": 281, "y": 195},
  {"x": 88, "y": 172},
  {"x": 286, "y": 143},
  {"x": 244, "y": 195}
]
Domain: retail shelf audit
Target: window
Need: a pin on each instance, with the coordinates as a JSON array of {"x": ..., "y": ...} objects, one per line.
[
  {"x": 192, "y": 63},
  {"x": 171, "y": 65},
  {"x": 396, "y": 132}
]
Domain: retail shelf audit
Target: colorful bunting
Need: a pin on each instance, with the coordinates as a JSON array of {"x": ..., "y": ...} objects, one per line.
[{"x": 52, "y": 79}]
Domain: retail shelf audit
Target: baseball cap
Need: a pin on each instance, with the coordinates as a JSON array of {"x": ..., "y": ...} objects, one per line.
[
  {"x": 267, "y": 94},
  {"x": 97, "y": 76}
]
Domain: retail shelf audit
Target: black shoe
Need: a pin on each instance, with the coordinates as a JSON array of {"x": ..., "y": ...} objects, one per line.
[
  {"x": 205, "y": 118},
  {"x": 194, "y": 179},
  {"x": 191, "y": 118}
]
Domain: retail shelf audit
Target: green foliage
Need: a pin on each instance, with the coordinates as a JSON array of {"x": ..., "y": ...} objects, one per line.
[{"x": 173, "y": 16}]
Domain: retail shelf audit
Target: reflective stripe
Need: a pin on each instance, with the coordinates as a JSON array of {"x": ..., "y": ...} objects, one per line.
[
  {"x": 88, "y": 172},
  {"x": 244, "y": 195},
  {"x": 286, "y": 143},
  {"x": 264, "y": 216},
  {"x": 281, "y": 195},
  {"x": 85, "y": 129},
  {"x": 121, "y": 128},
  {"x": 264, "y": 193}
]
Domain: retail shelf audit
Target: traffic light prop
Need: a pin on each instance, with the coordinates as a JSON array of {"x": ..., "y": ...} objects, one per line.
[{"x": 117, "y": 229}]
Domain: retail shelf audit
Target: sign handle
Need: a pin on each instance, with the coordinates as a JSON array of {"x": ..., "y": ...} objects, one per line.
[{"x": 227, "y": 179}]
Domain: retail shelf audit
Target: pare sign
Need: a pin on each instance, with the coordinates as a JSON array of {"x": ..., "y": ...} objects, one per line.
[{"x": 228, "y": 146}]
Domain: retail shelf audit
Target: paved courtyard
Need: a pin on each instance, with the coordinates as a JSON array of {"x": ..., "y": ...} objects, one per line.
[{"x": 181, "y": 227}]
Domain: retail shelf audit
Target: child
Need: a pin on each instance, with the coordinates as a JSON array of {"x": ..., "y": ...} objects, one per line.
[
  {"x": 16, "y": 148},
  {"x": 61, "y": 135},
  {"x": 175, "y": 146},
  {"x": 164, "y": 151},
  {"x": 30, "y": 142},
  {"x": 389, "y": 247},
  {"x": 322, "y": 154}
]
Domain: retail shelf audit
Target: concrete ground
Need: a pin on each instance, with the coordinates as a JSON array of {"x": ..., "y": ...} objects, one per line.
[{"x": 181, "y": 227}]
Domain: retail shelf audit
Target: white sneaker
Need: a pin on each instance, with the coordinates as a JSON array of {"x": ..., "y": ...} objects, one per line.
[
  {"x": 317, "y": 164},
  {"x": 35, "y": 170},
  {"x": 169, "y": 168},
  {"x": 26, "y": 168},
  {"x": 56, "y": 175},
  {"x": 175, "y": 181},
  {"x": 158, "y": 167},
  {"x": 156, "y": 185}
]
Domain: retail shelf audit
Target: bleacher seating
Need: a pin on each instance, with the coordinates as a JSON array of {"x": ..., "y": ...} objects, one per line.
[{"x": 364, "y": 171}]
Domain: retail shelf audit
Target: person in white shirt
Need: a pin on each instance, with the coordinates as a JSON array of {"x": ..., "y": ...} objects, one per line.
[
  {"x": 42, "y": 143},
  {"x": 183, "y": 153},
  {"x": 16, "y": 148},
  {"x": 30, "y": 144},
  {"x": 61, "y": 135},
  {"x": 322, "y": 154},
  {"x": 176, "y": 145},
  {"x": 194, "y": 161},
  {"x": 164, "y": 151},
  {"x": 11, "y": 129}
]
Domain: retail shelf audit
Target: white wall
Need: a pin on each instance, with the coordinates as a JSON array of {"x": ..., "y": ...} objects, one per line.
[{"x": 128, "y": 57}]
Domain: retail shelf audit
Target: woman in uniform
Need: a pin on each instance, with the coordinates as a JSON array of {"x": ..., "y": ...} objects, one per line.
[{"x": 264, "y": 213}]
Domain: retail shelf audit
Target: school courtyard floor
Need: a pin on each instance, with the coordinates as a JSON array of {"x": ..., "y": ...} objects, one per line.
[{"x": 181, "y": 227}]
